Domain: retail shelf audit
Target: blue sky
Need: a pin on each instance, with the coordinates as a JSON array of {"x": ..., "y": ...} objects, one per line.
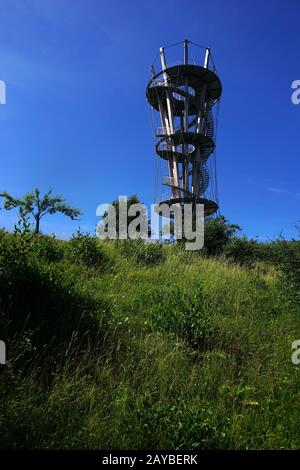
[{"x": 76, "y": 118}]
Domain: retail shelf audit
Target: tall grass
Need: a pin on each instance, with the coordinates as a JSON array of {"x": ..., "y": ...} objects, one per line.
[{"x": 193, "y": 353}]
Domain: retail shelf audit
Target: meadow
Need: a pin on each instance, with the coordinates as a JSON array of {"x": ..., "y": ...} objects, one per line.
[{"x": 131, "y": 345}]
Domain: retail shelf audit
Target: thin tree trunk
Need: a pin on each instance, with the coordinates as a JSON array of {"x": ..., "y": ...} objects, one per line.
[{"x": 37, "y": 226}]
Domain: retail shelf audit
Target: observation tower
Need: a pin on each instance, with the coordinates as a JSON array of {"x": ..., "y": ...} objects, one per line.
[{"x": 184, "y": 99}]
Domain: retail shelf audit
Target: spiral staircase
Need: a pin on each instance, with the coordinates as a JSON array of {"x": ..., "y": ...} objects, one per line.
[{"x": 185, "y": 96}]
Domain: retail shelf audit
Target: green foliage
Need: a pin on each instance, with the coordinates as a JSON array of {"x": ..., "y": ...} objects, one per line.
[
  {"x": 23, "y": 225},
  {"x": 142, "y": 253},
  {"x": 48, "y": 248},
  {"x": 182, "y": 312},
  {"x": 131, "y": 200},
  {"x": 288, "y": 258},
  {"x": 193, "y": 354},
  {"x": 281, "y": 253},
  {"x": 175, "y": 422},
  {"x": 36, "y": 206},
  {"x": 85, "y": 249},
  {"x": 217, "y": 233},
  {"x": 40, "y": 299},
  {"x": 242, "y": 251},
  {"x": 15, "y": 250}
]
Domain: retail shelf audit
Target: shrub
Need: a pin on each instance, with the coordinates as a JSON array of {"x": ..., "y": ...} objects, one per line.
[
  {"x": 217, "y": 233},
  {"x": 84, "y": 249},
  {"x": 15, "y": 250},
  {"x": 48, "y": 248},
  {"x": 242, "y": 251},
  {"x": 284, "y": 254},
  {"x": 142, "y": 253},
  {"x": 44, "y": 302},
  {"x": 27, "y": 244},
  {"x": 288, "y": 257}
]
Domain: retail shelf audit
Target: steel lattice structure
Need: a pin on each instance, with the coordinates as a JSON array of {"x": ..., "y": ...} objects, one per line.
[{"x": 185, "y": 96}]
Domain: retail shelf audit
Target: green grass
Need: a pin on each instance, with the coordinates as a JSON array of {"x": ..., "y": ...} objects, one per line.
[{"x": 190, "y": 353}]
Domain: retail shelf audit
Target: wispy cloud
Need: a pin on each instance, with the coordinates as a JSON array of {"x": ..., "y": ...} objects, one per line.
[
  {"x": 283, "y": 191},
  {"x": 276, "y": 190}
]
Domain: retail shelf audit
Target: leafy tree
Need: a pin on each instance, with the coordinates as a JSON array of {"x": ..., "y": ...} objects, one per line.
[
  {"x": 217, "y": 233},
  {"x": 131, "y": 200},
  {"x": 38, "y": 206}
]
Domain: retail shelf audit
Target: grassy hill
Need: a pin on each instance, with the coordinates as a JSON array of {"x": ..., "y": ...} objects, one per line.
[{"x": 130, "y": 345}]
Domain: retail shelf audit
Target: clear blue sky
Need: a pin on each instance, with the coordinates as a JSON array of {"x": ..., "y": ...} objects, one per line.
[{"x": 76, "y": 118}]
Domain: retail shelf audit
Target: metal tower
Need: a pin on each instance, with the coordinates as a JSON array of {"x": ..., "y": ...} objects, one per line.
[{"x": 185, "y": 96}]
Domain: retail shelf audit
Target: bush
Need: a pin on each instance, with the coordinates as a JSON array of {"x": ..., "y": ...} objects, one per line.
[
  {"x": 242, "y": 251},
  {"x": 44, "y": 302},
  {"x": 142, "y": 253},
  {"x": 84, "y": 249},
  {"x": 288, "y": 258},
  {"x": 217, "y": 233},
  {"x": 284, "y": 254},
  {"x": 15, "y": 250},
  {"x": 48, "y": 248},
  {"x": 27, "y": 244}
]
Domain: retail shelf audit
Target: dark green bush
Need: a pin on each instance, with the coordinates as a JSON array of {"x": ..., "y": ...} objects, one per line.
[
  {"x": 15, "y": 250},
  {"x": 85, "y": 249},
  {"x": 217, "y": 233},
  {"x": 284, "y": 254},
  {"x": 48, "y": 248},
  {"x": 42, "y": 301},
  {"x": 288, "y": 258},
  {"x": 43, "y": 247},
  {"x": 142, "y": 253},
  {"x": 242, "y": 251}
]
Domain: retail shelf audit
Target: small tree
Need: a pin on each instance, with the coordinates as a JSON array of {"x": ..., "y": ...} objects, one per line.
[
  {"x": 133, "y": 199},
  {"x": 38, "y": 206},
  {"x": 217, "y": 233}
]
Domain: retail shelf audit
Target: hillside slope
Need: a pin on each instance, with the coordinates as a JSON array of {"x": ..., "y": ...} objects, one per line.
[{"x": 183, "y": 352}]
